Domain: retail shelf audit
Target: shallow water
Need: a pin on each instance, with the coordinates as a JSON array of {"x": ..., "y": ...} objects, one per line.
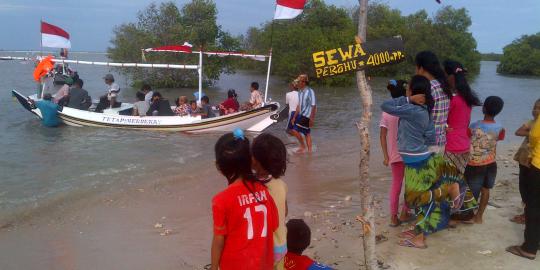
[{"x": 40, "y": 165}]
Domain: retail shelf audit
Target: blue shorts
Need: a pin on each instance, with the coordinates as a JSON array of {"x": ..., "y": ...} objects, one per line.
[
  {"x": 289, "y": 124},
  {"x": 479, "y": 177},
  {"x": 301, "y": 124}
]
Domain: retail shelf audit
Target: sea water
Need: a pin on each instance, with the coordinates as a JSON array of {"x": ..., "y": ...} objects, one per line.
[{"x": 41, "y": 166}]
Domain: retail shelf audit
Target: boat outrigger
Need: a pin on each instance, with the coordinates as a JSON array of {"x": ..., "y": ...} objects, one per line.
[{"x": 255, "y": 120}]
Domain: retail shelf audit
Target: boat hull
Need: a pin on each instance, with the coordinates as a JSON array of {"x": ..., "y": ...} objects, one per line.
[{"x": 255, "y": 120}]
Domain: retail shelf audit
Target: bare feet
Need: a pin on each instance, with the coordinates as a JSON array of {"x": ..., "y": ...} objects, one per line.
[
  {"x": 405, "y": 217},
  {"x": 478, "y": 219},
  {"x": 415, "y": 242},
  {"x": 394, "y": 221}
]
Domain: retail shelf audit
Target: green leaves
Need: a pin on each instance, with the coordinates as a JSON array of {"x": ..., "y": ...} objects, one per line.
[{"x": 522, "y": 56}]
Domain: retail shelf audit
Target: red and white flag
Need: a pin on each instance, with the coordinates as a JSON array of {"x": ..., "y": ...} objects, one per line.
[
  {"x": 184, "y": 48},
  {"x": 289, "y": 9},
  {"x": 54, "y": 36}
]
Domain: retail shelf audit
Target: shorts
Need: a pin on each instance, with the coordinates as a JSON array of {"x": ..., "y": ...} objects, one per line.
[
  {"x": 479, "y": 177},
  {"x": 289, "y": 124},
  {"x": 302, "y": 125}
]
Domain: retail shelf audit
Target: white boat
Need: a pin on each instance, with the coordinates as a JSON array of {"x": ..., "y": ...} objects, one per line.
[{"x": 253, "y": 120}]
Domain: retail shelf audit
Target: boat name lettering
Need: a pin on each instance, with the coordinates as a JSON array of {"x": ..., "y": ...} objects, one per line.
[{"x": 135, "y": 121}]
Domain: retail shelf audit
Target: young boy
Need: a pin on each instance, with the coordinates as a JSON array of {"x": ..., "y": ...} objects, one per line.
[
  {"x": 206, "y": 109},
  {"x": 482, "y": 167},
  {"x": 298, "y": 239}
]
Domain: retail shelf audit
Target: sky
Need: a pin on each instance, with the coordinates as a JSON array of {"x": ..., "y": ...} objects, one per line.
[{"x": 495, "y": 23}]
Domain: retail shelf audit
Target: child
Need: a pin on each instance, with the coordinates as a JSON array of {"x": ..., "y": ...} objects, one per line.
[
  {"x": 388, "y": 136},
  {"x": 481, "y": 170},
  {"x": 245, "y": 216},
  {"x": 429, "y": 179},
  {"x": 298, "y": 239},
  {"x": 270, "y": 163},
  {"x": 206, "y": 109},
  {"x": 523, "y": 158},
  {"x": 193, "y": 108}
]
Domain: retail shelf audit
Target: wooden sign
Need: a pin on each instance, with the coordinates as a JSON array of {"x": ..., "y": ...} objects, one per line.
[{"x": 358, "y": 56}]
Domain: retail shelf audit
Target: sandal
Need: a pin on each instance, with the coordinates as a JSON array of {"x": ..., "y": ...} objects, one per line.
[
  {"x": 516, "y": 250},
  {"x": 409, "y": 243},
  {"x": 456, "y": 203},
  {"x": 407, "y": 234}
]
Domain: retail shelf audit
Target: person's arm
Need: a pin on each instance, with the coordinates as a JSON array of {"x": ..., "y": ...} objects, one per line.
[
  {"x": 293, "y": 120},
  {"x": 135, "y": 111},
  {"x": 534, "y": 134},
  {"x": 384, "y": 146},
  {"x": 218, "y": 242},
  {"x": 523, "y": 131},
  {"x": 312, "y": 115},
  {"x": 430, "y": 135},
  {"x": 397, "y": 106}
]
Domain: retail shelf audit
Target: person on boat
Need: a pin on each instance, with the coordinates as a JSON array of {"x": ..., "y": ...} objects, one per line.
[
  {"x": 147, "y": 90},
  {"x": 206, "y": 108},
  {"x": 193, "y": 108},
  {"x": 160, "y": 106},
  {"x": 113, "y": 88},
  {"x": 291, "y": 99},
  {"x": 49, "y": 110},
  {"x": 304, "y": 117},
  {"x": 255, "y": 99},
  {"x": 182, "y": 106},
  {"x": 62, "y": 94},
  {"x": 78, "y": 97},
  {"x": 141, "y": 106},
  {"x": 230, "y": 105}
]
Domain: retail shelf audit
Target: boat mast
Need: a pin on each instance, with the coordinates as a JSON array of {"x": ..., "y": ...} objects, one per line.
[
  {"x": 268, "y": 76},
  {"x": 200, "y": 74}
]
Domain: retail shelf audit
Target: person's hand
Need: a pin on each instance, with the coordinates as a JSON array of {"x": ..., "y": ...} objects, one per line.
[
  {"x": 293, "y": 120},
  {"x": 418, "y": 99},
  {"x": 385, "y": 161}
]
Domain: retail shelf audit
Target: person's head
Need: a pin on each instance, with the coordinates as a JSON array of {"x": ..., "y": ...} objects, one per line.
[
  {"x": 428, "y": 65},
  {"x": 303, "y": 81},
  {"x": 156, "y": 96},
  {"x": 420, "y": 85},
  {"x": 205, "y": 100},
  {"x": 233, "y": 156},
  {"x": 536, "y": 109},
  {"x": 493, "y": 105},
  {"x": 458, "y": 82},
  {"x": 78, "y": 83},
  {"x": 193, "y": 104},
  {"x": 140, "y": 96},
  {"x": 254, "y": 86},
  {"x": 47, "y": 96},
  {"x": 231, "y": 93},
  {"x": 109, "y": 78},
  {"x": 145, "y": 88},
  {"x": 269, "y": 155},
  {"x": 397, "y": 88},
  {"x": 298, "y": 236},
  {"x": 294, "y": 85}
]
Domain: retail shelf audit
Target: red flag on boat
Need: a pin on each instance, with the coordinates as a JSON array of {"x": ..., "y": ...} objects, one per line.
[
  {"x": 54, "y": 37},
  {"x": 289, "y": 9}
]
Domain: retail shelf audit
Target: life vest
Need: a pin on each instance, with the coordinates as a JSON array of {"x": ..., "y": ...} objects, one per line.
[{"x": 43, "y": 68}]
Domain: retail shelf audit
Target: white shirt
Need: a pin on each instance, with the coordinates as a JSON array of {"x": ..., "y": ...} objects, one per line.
[
  {"x": 148, "y": 97},
  {"x": 291, "y": 98}
]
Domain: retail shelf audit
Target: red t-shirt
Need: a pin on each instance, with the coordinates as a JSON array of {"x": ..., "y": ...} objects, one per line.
[
  {"x": 248, "y": 221},
  {"x": 231, "y": 103},
  {"x": 301, "y": 262}
]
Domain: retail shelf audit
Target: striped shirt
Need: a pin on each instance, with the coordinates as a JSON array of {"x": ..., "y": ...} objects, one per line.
[
  {"x": 306, "y": 98},
  {"x": 439, "y": 113}
]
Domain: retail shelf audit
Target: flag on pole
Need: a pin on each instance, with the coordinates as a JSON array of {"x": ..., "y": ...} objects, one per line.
[
  {"x": 289, "y": 9},
  {"x": 54, "y": 36}
]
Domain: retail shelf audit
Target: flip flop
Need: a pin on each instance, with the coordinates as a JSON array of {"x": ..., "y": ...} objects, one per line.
[
  {"x": 407, "y": 234},
  {"x": 409, "y": 243},
  {"x": 516, "y": 250}
]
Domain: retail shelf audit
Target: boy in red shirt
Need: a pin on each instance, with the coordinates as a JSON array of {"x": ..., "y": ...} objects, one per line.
[
  {"x": 298, "y": 239},
  {"x": 245, "y": 216}
]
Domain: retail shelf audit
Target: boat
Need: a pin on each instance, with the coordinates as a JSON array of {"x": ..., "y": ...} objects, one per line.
[{"x": 255, "y": 120}]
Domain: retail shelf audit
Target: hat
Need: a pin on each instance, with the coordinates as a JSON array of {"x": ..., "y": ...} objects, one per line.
[{"x": 109, "y": 77}]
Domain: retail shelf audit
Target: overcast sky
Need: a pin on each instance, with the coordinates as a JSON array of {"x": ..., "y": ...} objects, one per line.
[{"x": 90, "y": 23}]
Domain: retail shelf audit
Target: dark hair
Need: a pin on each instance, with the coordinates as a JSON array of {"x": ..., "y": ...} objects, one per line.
[
  {"x": 192, "y": 101},
  {"x": 298, "y": 236},
  {"x": 398, "y": 89},
  {"x": 462, "y": 86},
  {"x": 493, "y": 105},
  {"x": 78, "y": 82},
  {"x": 420, "y": 85},
  {"x": 205, "y": 99},
  {"x": 145, "y": 87},
  {"x": 233, "y": 158},
  {"x": 255, "y": 85},
  {"x": 156, "y": 94},
  {"x": 271, "y": 153},
  {"x": 231, "y": 93},
  {"x": 47, "y": 96},
  {"x": 177, "y": 101},
  {"x": 429, "y": 62},
  {"x": 140, "y": 95}
]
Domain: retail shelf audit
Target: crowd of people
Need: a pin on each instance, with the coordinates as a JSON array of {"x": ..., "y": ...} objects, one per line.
[{"x": 449, "y": 164}]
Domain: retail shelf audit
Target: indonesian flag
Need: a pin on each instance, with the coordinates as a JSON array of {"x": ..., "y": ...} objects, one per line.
[
  {"x": 289, "y": 9},
  {"x": 54, "y": 36}
]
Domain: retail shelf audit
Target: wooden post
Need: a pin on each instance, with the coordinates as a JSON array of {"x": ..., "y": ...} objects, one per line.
[{"x": 367, "y": 216}]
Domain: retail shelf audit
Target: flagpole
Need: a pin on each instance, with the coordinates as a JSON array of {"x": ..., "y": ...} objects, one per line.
[
  {"x": 269, "y": 59},
  {"x": 41, "y": 88}
]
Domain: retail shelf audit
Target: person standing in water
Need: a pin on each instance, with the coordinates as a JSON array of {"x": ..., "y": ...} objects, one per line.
[{"x": 304, "y": 116}]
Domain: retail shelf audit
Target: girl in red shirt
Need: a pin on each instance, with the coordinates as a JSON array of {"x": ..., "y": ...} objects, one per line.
[{"x": 245, "y": 216}]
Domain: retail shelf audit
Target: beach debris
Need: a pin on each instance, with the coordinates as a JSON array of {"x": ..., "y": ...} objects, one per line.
[
  {"x": 163, "y": 217},
  {"x": 379, "y": 238},
  {"x": 484, "y": 252},
  {"x": 158, "y": 225},
  {"x": 366, "y": 226},
  {"x": 348, "y": 198},
  {"x": 308, "y": 214},
  {"x": 166, "y": 232},
  {"x": 140, "y": 190},
  {"x": 382, "y": 265}
]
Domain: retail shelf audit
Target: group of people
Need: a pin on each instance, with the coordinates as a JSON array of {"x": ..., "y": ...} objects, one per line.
[
  {"x": 448, "y": 163},
  {"x": 302, "y": 109},
  {"x": 249, "y": 215}
]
